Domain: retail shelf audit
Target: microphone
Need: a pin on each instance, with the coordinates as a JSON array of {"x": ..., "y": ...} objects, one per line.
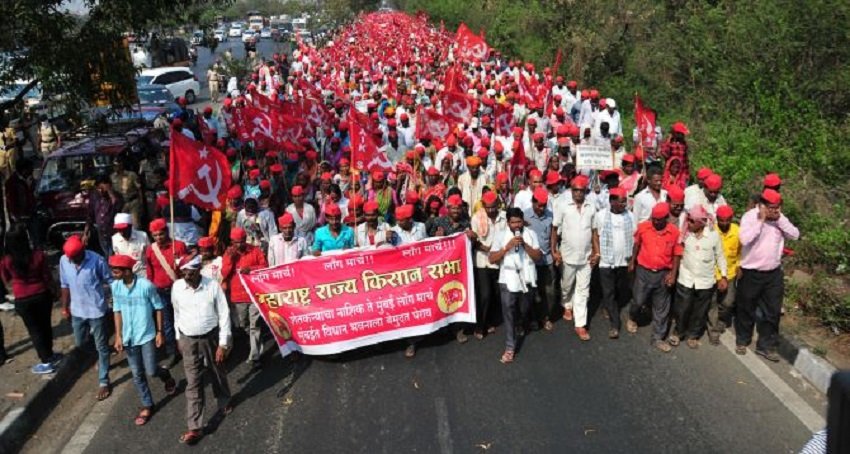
[{"x": 517, "y": 233}]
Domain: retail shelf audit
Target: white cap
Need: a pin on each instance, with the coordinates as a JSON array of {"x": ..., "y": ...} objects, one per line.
[
  {"x": 611, "y": 103},
  {"x": 474, "y": 122},
  {"x": 123, "y": 219},
  {"x": 491, "y": 92},
  {"x": 191, "y": 264}
]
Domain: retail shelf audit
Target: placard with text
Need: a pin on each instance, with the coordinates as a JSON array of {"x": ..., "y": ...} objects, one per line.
[{"x": 334, "y": 303}]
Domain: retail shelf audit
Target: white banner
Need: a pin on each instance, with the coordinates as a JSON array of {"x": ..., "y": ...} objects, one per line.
[{"x": 594, "y": 157}]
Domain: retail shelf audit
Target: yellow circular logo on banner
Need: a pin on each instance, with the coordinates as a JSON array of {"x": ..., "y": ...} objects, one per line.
[
  {"x": 451, "y": 296},
  {"x": 278, "y": 324}
]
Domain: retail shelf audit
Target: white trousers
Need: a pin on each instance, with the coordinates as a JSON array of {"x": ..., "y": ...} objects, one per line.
[{"x": 575, "y": 291}]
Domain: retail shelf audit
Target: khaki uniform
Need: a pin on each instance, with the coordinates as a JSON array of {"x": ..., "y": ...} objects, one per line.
[
  {"x": 49, "y": 139},
  {"x": 127, "y": 184},
  {"x": 212, "y": 78}
]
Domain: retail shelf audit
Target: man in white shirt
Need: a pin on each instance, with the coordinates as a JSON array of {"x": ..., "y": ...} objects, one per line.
[
  {"x": 573, "y": 223},
  {"x": 611, "y": 116},
  {"x": 692, "y": 191},
  {"x": 210, "y": 263},
  {"x": 471, "y": 183},
  {"x": 709, "y": 197},
  {"x": 486, "y": 223},
  {"x": 522, "y": 199},
  {"x": 613, "y": 235},
  {"x": 645, "y": 200},
  {"x": 702, "y": 253},
  {"x": 375, "y": 231},
  {"x": 406, "y": 229},
  {"x": 202, "y": 322},
  {"x": 515, "y": 249},
  {"x": 285, "y": 247},
  {"x": 129, "y": 241}
]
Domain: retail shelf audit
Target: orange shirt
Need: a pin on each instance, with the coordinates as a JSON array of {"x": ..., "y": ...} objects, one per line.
[{"x": 656, "y": 248}]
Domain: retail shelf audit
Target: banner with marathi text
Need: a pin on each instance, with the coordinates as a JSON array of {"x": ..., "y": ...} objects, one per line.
[{"x": 340, "y": 302}]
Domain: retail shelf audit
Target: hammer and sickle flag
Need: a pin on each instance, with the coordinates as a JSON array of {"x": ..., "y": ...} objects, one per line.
[{"x": 200, "y": 174}]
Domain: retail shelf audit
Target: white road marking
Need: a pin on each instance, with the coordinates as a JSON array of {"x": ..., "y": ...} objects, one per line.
[
  {"x": 444, "y": 433},
  {"x": 96, "y": 417},
  {"x": 802, "y": 410}
]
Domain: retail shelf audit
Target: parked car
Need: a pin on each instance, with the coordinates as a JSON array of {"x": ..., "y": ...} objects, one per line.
[
  {"x": 197, "y": 38},
  {"x": 156, "y": 99},
  {"x": 68, "y": 175},
  {"x": 235, "y": 31},
  {"x": 180, "y": 81},
  {"x": 265, "y": 33},
  {"x": 221, "y": 35}
]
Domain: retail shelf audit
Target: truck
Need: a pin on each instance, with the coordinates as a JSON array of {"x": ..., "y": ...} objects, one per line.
[{"x": 256, "y": 23}]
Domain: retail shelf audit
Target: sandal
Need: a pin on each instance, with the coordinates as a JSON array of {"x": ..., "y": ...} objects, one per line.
[
  {"x": 741, "y": 349},
  {"x": 479, "y": 334},
  {"x": 548, "y": 326},
  {"x": 507, "y": 357},
  {"x": 410, "y": 351},
  {"x": 170, "y": 387},
  {"x": 190, "y": 437},
  {"x": 103, "y": 393},
  {"x": 143, "y": 417},
  {"x": 673, "y": 340}
]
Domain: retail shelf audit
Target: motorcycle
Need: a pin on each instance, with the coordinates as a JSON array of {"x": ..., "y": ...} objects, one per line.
[{"x": 193, "y": 54}]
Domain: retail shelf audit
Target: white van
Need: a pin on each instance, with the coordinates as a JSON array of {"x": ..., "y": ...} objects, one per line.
[{"x": 179, "y": 80}]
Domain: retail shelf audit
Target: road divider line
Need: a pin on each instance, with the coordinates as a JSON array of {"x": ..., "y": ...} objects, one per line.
[
  {"x": 96, "y": 417},
  {"x": 444, "y": 433},
  {"x": 802, "y": 410}
]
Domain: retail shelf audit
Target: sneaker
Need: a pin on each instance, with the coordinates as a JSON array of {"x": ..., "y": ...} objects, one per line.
[
  {"x": 43, "y": 368},
  {"x": 770, "y": 356},
  {"x": 7, "y": 307}
]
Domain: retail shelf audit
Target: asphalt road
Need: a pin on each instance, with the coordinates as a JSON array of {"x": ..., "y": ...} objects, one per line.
[{"x": 560, "y": 395}]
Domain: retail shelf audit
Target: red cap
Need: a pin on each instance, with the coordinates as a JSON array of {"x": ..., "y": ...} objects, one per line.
[
  {"x": 254, "y": 173},
  {"x": 502, "y": 177},
  {"x": 73, "y": 246},
  {"x": 772, "y": 180},
  {"x": 208, "y": 110},
  {"x": 285, "y": 220},
  {"x": 378, "y": 175},
  {"x": 704, "y": 173},
  {"x": 725, "y": 212},
  {"x": 713, "y": 182},
  {"x": 157, "y": 225},
  {"x": 326, "y": 176},
  {"x": 628, "y": 157},
  {"x": 234, "y": 193},
  {"x": 675, "y": 194},
  {"x": 580, "y": 182},
  {"x": 517, "y": 131},
  {"x": 535, "y": 173},
  {"x": 238, "y": 234},
  {"x": 594, "y": 94},
  {"x": 404, "y": 212},
  {"x": 122, "y": 261},
  {"x": 332, "y": 209},
  {"x": 228, "y": 102},
  {"x": 451, "y": 141},
  {"x": 572, "y": 84},
  {"x": 489, "y": 197},
  {"x": 411, "y": 196},
  {"x": 660, "y": 210},
  {"x": 265, "y": 184},
  {"x": 205, "y": 242},
  {"x": 772, "y": 197},
  {"x": 618, "y": 192},
  {"x": 311, "y": 155},
  {"x": 552, "y": 177},
  {"x": 276, "y": 168},
  {"x": 344, "y": 162},
  {"x": 370, "y": 207},
  {"x": 531, "y": 121},
  {"x": 433, "y": 171},
  {"x": 454, "y": 200},
  {"x": 499, "y": 147},
  {"x": 541, "y": 195},
  {"x": 680, "y": 127}
]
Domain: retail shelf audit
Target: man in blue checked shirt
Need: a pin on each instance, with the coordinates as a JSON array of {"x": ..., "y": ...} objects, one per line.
[
  {"x": 82, "y": 276},
  {"x": 138, "y": 330}
]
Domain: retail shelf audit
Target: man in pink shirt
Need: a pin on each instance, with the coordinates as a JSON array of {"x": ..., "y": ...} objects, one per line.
[{"x": 763, "y": 232}]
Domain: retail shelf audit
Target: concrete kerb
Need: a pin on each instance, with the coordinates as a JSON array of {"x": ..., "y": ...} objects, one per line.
[
  {"x": 815, "y": 369},
  {"x": 24, "y": 419}
]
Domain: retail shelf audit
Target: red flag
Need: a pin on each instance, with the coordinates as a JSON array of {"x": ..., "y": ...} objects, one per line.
[
  {"x": 364, "y": 152},
  {"x": 470, "y": 46},
  {"x": 519, "y": 164},
  {"x": 458, "y": 107},
  {"x": 200, "y": 174},
  {"x": 504, "y": 119},
  {"x": 432, "y": 125},
  {"x": 645, "y": 121}
]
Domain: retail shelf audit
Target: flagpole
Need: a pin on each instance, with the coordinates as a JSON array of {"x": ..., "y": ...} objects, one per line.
[{"x": 171, "y": 173}]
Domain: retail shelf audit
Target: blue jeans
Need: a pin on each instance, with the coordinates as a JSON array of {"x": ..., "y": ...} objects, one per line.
[
  {"x": 97, "y": 328},
  {"x": 142, "y": 360},
  {"x": 168, "y": 321}
]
